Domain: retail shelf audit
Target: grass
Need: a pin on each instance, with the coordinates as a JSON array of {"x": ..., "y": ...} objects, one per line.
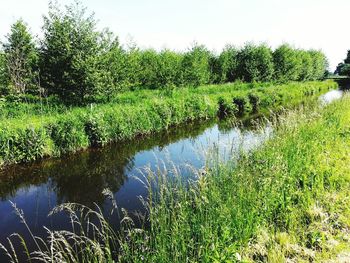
[
  {"x": 287, "y": 201},
  {"x": 32, "y": 130}
]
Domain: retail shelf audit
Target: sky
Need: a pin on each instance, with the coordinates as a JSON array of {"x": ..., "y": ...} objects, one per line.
[{"x": 176, "y": 24}]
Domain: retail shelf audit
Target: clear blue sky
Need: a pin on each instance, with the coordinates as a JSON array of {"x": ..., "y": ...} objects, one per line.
[{"x": 320, "y": 24}]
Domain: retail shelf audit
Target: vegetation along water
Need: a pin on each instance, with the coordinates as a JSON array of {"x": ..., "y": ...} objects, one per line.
[
  {"x": 270, "y": 204},
  {"x": 139, "y": 155}
]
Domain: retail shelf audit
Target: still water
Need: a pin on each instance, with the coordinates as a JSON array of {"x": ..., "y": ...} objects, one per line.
[{"x": 38, "y": 187}]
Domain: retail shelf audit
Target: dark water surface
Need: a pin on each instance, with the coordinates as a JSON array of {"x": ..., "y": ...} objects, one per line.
[{"x": 38, "y": 187}]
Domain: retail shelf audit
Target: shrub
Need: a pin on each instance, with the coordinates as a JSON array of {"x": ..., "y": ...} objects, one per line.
[
  {"x": 68, "y": 133},
  {"x": 287, "y": 62},
  {"x": 70, "y": 54},
  {"x": 255, "y": 63},
  {"x": 254, "y": 100},
  {"x": 23, "y": 145},
  {"x": 227, "y": 107},
  {"x": 242, "y": 104},
  {"x": 228, "y": 64},
  {"x": 195, "y": 66}
]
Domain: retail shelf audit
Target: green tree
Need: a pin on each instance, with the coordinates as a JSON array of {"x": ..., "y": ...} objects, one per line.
[
  {"x": 3, "y": 75},
  {"x": 71, "y": 52},
  {"x": 320, "y": 64},
  {"x": 195, "y": 66},
  {"x": 347, "y": 60},
  {"x": 228, "y": 64},
  {"x": 343, "y": 69},
  {"x": 150, "y": 63},
  {"x": 214, "y": 69},
  {"x": 255, "y": 63},
  {"x": 169, "y": 72},
  {"x": 288, "y": 63},
  {"x": 306, "y": 71},
  {"x": 113, "y": 67},
  {"x": 21, "y": 59}
]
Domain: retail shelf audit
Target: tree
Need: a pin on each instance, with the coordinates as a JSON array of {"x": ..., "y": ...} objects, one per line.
[
  {"x": 347, "y": 60},
  {"x": 21, "y": 58},
  {"x": 343, "y": 69},
  {"x": 195, "y": 66},
  {"x": 320, "y": 64},
  {"x": 255, "y": 63},
  {"x": 113, "y": 67},
  {"x": 150, "y": 64},
  {"x": 306, "y": 71},
  {"x": 288, "y": 63},
  {"x": 228, "y": 64},
  {"x": 70, "y": 54},
  {"x": 3, "y": 75},
  {"x": 169, "y": 71}
]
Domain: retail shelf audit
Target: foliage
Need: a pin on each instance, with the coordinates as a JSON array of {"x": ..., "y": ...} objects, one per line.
[
  {"x": 228, "y": 64},
  {"x": 288, "y": 63},
  {"x": 82, "y": 65},
  {"x": 255, "y": 63},
  {"x": 61, "y": 129},
  {"x": 21, "y": 60},
  {"x": 306, "y": 70},
  {"x": 343, "y": 69},
  {"x": 70, "y": 54},
  {"x": 320, "y": 63},
  {"x": 286, "y": 201},
  {"x": 195, "y": 66},
  {"x": 3, "y": 75}
]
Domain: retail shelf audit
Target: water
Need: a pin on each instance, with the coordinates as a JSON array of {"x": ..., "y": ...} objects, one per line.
[
  {"x": 38, "y": 187},
  {"x": 331, "y": 96}
]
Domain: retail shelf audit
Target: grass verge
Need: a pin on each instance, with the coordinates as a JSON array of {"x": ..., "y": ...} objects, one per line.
[
  {"x": 29, "y": 131},
  {"x": 286, "y": 202}
]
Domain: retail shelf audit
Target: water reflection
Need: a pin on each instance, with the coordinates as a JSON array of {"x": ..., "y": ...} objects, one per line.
[
  {"x": 331, "y": 96},
  {"x": 38, "y": 187}
]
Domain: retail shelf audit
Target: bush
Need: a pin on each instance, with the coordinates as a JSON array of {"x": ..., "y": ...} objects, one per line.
[
  {"x": 242, "y": 104},
  {"x": 195, "y": 66},
  {"x": 255, "y": 63},
  {"x": 254, "y": 100},
  {"x": 23, "y": 145},
  {"x": 228, "y": 64},
  {"x": 227, "y": 107},
  {"x": 288, "y": 63},
  {"x": 70, "y": 54},
  {"x": 68, "y": 133}
]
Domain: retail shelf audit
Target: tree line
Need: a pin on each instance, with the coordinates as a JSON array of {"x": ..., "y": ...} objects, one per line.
[
  {"x": 78, "y": 63},
  {"x": 343, "y": 68}
]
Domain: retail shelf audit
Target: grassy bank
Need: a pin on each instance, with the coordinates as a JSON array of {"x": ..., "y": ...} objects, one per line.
[
  {"x": 288, "y": 200},
  {"x": 35, "y": 129}
]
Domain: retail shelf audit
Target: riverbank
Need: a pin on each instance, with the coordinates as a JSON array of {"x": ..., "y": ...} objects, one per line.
[
  {"x": 289, "y": 200},
  {"x": 286, "y": 201},
  {"x": 30, "y": 131}
]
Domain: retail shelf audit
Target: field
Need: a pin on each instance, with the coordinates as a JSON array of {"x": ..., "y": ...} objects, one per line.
[{"x": 31, "y": 128}]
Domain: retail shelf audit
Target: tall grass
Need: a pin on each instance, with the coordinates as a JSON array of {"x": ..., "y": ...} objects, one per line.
[
  {"x": 294, "y": 189},
  {"x": 30, "y": 136}
]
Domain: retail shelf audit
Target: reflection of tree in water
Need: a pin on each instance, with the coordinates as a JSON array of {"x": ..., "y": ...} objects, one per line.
[
  {"x": 81, "y": 177},
  {"x": 250, "y": 123}
]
